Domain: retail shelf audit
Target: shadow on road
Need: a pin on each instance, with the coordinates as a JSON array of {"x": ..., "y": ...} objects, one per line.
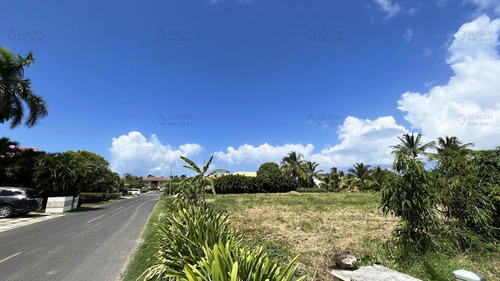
[{"x": 85, "y": 209}]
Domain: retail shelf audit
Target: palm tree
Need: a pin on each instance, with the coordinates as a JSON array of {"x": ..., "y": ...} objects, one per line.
[
  {"x": 311, "y": 172},
  {"x": 451, "y": 143},
  {"x": 379, "y": 176},
  {"x": 7, "y": 147},
  {"x": 411, "y": 145},
  {"x": 292, "y": 166},
  {"x": 14, "y": 90},
  {"x": 361, "y": 174},
  {"x": 203, "y": 180}
]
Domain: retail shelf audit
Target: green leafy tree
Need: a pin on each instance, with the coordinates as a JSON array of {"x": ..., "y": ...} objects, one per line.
[
  {"x": 132, "y": 182},
  {"x": 63, "y": 174},
  {"x": 378, "y": 177},
  {"x": 292, "y": 166},
  {"x": 194, "y": 188},
  {"x": 361, "y": 176},
  {"x": 409, "y": 197},
  {"x": 311, "y": 171},
  {"x": 271, "y": 179},
  {"x": 412, "y": 146},
  {"x": 16, "y": 90},
  {"x": 333, "y": 181},
  {"x": 464, "y": 194}
]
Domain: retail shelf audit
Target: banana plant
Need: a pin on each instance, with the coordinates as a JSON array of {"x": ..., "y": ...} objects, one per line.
[{"x": 197, "y": 186}]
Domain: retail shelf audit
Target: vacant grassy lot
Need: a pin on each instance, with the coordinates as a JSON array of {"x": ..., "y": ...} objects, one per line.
[{"x": 315, "y": 225}]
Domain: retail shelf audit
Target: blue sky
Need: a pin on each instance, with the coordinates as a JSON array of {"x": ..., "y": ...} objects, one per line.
[{"x": 143, "y": 83}]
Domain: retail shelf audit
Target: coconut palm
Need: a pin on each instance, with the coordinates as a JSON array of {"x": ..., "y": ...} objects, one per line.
[
  {"x": 311, "y": 172},
  {"x": 451, "y": 143},
  {"x": 203, "y": 181},
  {"x": 361, "y": 175},
  {"x": 292, "y": 165},
  {"x": 15, "y": 90},
  {"x": 411, "y": 145}
]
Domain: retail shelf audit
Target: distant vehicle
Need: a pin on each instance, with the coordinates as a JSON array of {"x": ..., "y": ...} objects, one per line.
[
  {"x": 18, "y": 201},
  {"x": 162, "y": 189},
  {"x": 136, "y": 192}
]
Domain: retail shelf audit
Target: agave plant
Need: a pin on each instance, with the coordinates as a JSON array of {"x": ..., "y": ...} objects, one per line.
[
  {"x": 224, "y": 262},
  {"x": 183, "y": 232}
]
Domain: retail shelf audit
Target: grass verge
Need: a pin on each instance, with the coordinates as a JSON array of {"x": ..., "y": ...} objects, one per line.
[{"x": 147, "y": 247}]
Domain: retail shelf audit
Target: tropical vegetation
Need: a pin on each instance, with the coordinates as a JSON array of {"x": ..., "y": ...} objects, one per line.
[{"x": 15, "y": 91}]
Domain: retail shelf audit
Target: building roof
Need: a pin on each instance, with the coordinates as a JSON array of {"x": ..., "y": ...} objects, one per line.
[
  {"x": 155, "y": 179},
  {"x": 248, "y": 174}
]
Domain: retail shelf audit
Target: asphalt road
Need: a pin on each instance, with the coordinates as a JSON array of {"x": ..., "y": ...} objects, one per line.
[{"x": 90, "y": 245}]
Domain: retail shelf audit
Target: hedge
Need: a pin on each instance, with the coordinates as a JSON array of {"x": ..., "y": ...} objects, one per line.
[
  {"x": 311, "y": 190},
  {"x": 242, "y": 184},
  {"x": 96, "y": 197}
]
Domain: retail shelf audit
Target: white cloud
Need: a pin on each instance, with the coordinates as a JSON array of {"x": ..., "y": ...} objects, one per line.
[
  {"x": 408, "y": 35},
  {"x": 390, "y": 8},
  {"x": 133, "y": 153},
  {"x": 362, "y": 140},
  {"x": 263, "y": 153},
  {"x": 485, "y": 5},
  {"x": 468, "y": 106},
  {"x": 366, "y": 141}
]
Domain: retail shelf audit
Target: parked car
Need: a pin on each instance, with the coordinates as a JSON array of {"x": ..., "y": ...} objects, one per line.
[
  {"x": 134, "y": 192},
  {"x": 18, "y": 200}
]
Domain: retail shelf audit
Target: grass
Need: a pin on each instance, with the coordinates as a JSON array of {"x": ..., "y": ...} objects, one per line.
[
  {"x": 316, "y": 225},
  {"x": 140, "y": 260}
]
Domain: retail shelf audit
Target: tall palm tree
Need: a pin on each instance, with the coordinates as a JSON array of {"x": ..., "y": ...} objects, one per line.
[
  {"x": 292, "y": 165},
  {"x": 451, "y": 143},
  {"x": 361, "y": 174},
  {"x": 411, "y": 145},
  {"x": 15, "y": 90},
  {"x": 311, "y": 172},
  {"x": 203, "y": 180}
]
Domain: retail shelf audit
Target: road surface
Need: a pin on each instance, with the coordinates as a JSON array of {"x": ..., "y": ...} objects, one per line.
[{"x": 90, "y": 245}]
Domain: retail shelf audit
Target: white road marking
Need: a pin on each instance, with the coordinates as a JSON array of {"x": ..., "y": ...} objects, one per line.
[
  {"x": 11, "y": 256},
  {"x": 95, "y": 218}
]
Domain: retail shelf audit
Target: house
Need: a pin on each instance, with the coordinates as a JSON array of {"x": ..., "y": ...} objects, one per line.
[
  {"x": 154, "y": 182},
  {"x": 247, "y": 174}
]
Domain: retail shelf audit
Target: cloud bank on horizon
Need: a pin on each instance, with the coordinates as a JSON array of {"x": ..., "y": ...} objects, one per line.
[{"x": 464, "y": 107}]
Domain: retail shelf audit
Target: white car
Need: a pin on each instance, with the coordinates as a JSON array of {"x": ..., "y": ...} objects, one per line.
[{"x": 136, "y": 192}]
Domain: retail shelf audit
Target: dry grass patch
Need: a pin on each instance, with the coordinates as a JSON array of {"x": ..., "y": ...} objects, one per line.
[{"x": 313, "y": 225}]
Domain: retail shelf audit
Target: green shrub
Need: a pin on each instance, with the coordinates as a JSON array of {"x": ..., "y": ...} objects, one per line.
[
  {"x": 85, "y": 197},
  {"x": 311, "y": 190},
  {"x": 226, "y": 262},
  {"x": 89, "y": 198},
  {"x": 110, "y": 196},
  {"x": 198, "y": 243},
  {"x": 183, "y": 232},
  {"x": 234, "y": 184}
]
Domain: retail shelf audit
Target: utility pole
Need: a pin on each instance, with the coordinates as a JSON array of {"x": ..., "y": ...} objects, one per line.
[{"x": 170, "y": 179}]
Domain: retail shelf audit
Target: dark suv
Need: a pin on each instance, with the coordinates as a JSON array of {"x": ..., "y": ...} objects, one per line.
[{"x": 18, "y": 200}]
